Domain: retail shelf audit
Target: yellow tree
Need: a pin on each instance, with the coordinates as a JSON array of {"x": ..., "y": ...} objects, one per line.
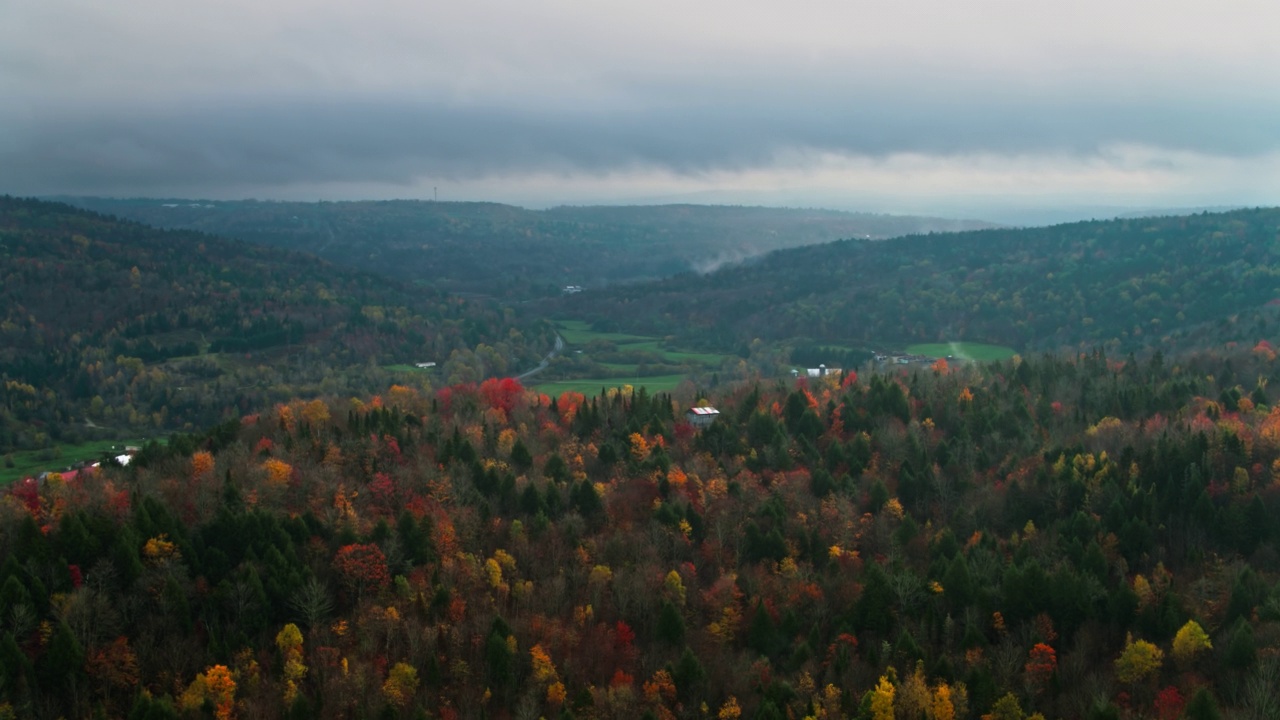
[
  {"x": 1007, "y": 708},
  {"x": 289, "y": 642},
  {"x": 401, "y": 684},
  {"x": 1142, "y": 588},
  {"x": 1138, "y": 661},
  {"x": 882, "y": 699},
  {"x": 941, "y": 707},
  {"x": 556, "y": 693},
  {"x": 316, "y": 412},
  {"x": 673, "y": 586},
  {"x": 726, "y": 628},
  {"x": 493, "y": 571},
  {"x": 278, "y": 471},
  {"x": 1191, "y": 639},
  {"x": 159, "y": 550}
]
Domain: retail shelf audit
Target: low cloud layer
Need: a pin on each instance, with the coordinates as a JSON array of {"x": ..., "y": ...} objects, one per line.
[{"x": 917, "y": 106}]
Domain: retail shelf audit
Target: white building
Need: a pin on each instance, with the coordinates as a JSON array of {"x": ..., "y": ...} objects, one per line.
[{"x": 701, "y": 417}]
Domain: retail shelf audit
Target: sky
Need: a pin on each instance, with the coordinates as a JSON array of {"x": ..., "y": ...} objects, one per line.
[{"x": 1006, "y": 110}]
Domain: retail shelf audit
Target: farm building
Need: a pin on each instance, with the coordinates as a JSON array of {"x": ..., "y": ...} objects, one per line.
[
  {"x": 820, "y": 371},
  {"x": 701, "y": 417}
]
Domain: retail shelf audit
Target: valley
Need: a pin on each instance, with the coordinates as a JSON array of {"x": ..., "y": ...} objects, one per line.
[
  {"x": 639, "y": 361},
  {"x": 924, "y": 480},
  {"x": 496, "y": 250}
]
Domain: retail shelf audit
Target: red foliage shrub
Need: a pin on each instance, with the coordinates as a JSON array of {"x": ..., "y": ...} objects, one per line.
[
  {"x": 362, "y": 567},
  {"x": 501, "y": 393},
  {"x": 1041, "y": 665},
  {"x": 1169, "y": 703}
]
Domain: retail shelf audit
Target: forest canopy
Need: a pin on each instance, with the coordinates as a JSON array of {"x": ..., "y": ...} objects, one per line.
[
  {"x": 1080, "y": 534},
  {"x": 1085, "y": 537}
]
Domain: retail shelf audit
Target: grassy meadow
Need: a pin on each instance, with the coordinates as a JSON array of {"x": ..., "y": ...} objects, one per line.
[
  {"x": 977, "y": 352},
  {"x": 578, "y": 336}
]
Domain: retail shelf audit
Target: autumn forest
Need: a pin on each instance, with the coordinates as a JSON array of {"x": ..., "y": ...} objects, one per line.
[{"x": 1087, "y": 531}]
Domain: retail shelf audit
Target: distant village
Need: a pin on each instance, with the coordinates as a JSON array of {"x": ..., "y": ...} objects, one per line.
[{"x": 879, "y": 358}]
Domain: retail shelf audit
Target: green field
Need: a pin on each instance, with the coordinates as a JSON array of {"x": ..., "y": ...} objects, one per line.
[
  {"x": 680, "y": 356},
  {"x": 579, "y": 332},
  {"x": 33, "y": 462},
  {"x": 964, "y": 351},
  {"x": 591, "y": 387}
]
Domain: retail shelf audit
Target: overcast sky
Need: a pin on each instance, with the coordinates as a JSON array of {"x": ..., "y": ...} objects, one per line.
[{"x": 958, "y": 107}]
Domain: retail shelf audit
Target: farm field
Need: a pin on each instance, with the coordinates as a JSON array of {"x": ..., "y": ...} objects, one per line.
[
  {"x": 32, "y": 462},
  {"x": 578, "y": 332},
  {"x": 979, "y": 352},
  {"x": 678, "y": 356}
]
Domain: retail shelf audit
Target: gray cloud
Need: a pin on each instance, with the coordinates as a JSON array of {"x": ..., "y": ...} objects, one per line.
[
  {"x": 395, "y": 143},
  {"x": 237, "y": 99}
]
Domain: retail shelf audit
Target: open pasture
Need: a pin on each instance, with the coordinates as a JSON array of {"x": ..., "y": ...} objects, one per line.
[{"x": 976, "y": 352}]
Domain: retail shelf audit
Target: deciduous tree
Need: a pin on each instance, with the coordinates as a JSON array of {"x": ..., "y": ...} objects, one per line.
[
  {"x": 1041, "y": 665},
  {"x": 882, "y": 699},
  {"x": 1190, "y": 640},
  {"x": 1139, "y": 661},
  {"x": 400, "y": 685},
  {"x": 362, "y": 567}
]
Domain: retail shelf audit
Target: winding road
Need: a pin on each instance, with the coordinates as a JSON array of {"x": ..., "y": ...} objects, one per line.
[{"x": 545, "y": 361}]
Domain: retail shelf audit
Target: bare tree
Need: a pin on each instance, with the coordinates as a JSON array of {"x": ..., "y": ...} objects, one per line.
[{"x": 312, "y": 603}]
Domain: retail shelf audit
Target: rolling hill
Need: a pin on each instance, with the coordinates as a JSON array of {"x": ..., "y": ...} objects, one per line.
[
  {"x": 1120, "y": 284},
  {"x": 111, "y": 326},
  {"x": 501, "y": 250}
]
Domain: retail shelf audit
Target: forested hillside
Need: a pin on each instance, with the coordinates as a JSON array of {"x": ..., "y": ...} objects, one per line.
[
  {"x": 110, "y": 327},
  {"x": 1120, "y": 284},
  {"x": 1074, "y": 538},
  {"x": 509, "y": 251}
]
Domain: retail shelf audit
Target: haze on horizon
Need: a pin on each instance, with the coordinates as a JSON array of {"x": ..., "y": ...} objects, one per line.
[{"x": 988, "y": 108}]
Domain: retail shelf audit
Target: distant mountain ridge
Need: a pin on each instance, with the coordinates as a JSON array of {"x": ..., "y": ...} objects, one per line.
[
  {"x": 115, "y": 324},
  {"x": 1121, "y": 283},
  {"x": 509, "y": 251}
]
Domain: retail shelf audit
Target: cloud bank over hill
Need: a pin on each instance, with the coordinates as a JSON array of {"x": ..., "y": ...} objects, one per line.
[{"x": 914, "y": 106}]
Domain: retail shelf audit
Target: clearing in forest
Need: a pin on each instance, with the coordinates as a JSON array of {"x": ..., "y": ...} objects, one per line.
[{"x": 977, "y": 352}]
